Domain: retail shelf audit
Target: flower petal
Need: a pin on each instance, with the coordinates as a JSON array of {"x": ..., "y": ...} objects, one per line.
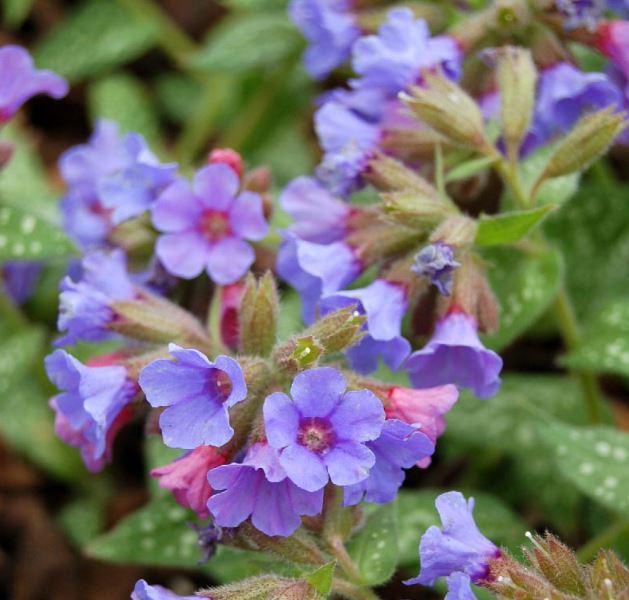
[{"x": 304, "y": 468}]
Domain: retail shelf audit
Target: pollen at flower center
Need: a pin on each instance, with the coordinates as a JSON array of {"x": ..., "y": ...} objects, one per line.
[
  {"x": 316, "y": 434},
  {"x": 215, "y": 225}
]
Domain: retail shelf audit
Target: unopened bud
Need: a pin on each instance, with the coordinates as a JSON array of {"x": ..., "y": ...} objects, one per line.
[
  {"x": 416, "y": 209},
  {"x": 449, "y": 110},
  {"x": 228, "y": 157},
  {"x": 299, "y": 354},
  {"x": 258, "y": 180},
  {"x": 265, "y": 587},
  {"x": 591, "y": 138},
  {"x": 517, "y": 80},
  {"x": 380, "y": 241},
  {"x": 155, "y": 319},
  {"x": 390, "y": 175},
  {"x": 258, "y": 315},
  {"x": 339, "y": 330}
]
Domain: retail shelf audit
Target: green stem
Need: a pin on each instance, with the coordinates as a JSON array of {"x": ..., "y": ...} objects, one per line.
[
  {"x": 353, "y": 592},
  {"x": 563, "y": 309},
  {"x": 569, "y": 327},
  {"x": 603, "y": 540},
  {"x": 172, "y": 39}
]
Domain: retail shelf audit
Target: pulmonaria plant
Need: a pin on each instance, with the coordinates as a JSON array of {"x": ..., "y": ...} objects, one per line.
[{"x": 285, "y": 441}]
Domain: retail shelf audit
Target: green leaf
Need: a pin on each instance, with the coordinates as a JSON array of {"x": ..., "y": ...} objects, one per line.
[
  {"x": 122, "y": 98},
  {"x": 321, "y": 579},
  {"x": 605, "y": 346},
  {"x": 229, "y": 47},
  {"x": 417, "y": 512},
  {"x": 594, "y": 459},
  {"x": 159, "y": 535},
  {"x": 99, "y": 35},
  {"x": 525, "y": 285},
  {"x": 23, "y": 182},
  {"x": 16, "y": 11},
  {"x": 26, "y": 422},
  {"x": 83, "y": 519},
  {"x": 469, "y": 168},
  {"x": 374, "y": 548},
  {"x": 176, "y": 93},
  {"x": 593, "y": 236},
  {"x": 510, "y": 227},
  {"x": 24, "y": 236},
  {"x": 253, "y": 4},
  {"x": 157, "y": 454}
]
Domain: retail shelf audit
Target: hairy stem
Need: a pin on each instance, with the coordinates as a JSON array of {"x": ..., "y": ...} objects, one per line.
[{"x": 352, "y": 591}]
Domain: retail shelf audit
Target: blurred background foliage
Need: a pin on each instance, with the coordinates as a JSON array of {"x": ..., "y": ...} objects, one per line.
[{"x": 191, "y": 75}]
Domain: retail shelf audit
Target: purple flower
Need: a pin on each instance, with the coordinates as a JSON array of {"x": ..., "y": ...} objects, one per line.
[
  {"x": 384, "y": 304},
  {"x": 259, "y": 488},
  {"x": 330, "y": 29},
  {"x": 394, "y": 59},
  {"x": 581, "y": 13},
  {"x": 110, "y": 179},
  {"x": 90, "y": 405},
  {"x": 20, "y": 81},
  {"x": 619, "y": 6},
  {"x": 399, "y": 447},
  {"x": 458, "y": 547},
  {"x": 206, "y": 227},
  {"x": 321, "y": 431},
  {"x": 85, "y": 306},
  {"x": 565, "y": 93},
  {"x": 20, "y": 278},
  {"x": 436, "y": 261},
  {"x": 456, "y": 355},
  {"x": 318, "y": 216},
  {"x": 315, "y": 269},
  {"x": 349, "y": 141},
  {"x": 144, "y": 591},
  {"x": 459, "y": 587},
  {"x": 197, "y": 394}
]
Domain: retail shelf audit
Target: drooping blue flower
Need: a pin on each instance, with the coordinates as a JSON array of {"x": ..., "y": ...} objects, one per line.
[
  {"x": 394, "y": 58},
  {"x": 315, "y": 269},
  {"x": 20, "y": 81},
  {"x": 144, "y": 591},
  {"x": 321, "y": 429},
  {"x": 110, "y": 179},
  {"x": 384, "y": 304},
  {"x": 458, "y": 547},
  {"x": 620, "y": 7},
  {"x": 198, "y": 394},
  {"x": 330, "y": 28},
  {"x": 90, "y": 404},
  {"x": 317, "y": 216},
  {"x": 85, "y": 305},
  {"x": 206, "y": 226},
  {"x": 400, "y": 446},
  {"x": 455, "y": 355},
  {"x": 436, "y": 261},
  {"x": 349, "y": 141},
  {"x": 258, "y": 488}
]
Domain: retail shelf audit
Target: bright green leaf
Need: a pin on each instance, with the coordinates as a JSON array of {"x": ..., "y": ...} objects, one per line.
[
  {"x": 605, "y": 346},
  {"x": 417, "y": 512},
  {"x": 24, "y": 236},
  {"x": 594, "y": 459},
  {"x": 468, "y": 169},
  {"x": 374, "y": 548},
  {"x": 321, "y": 579},
  {"x": 83, "y": 519},
  {"x": 23, "y": 182},
  {"x": 525, "y": 285},
  {"x": 98, "y": 36},
  {"x": 122, "y": 98},
  {"x": 230, "y": 49},
  {"x": 510, "y": 227}
]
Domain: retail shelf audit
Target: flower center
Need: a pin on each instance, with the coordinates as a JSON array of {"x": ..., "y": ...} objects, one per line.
[
  {"x": 219, "y": 385},
  {"x": 215, "y": 225},
  {"x": 316, "y": 434}
]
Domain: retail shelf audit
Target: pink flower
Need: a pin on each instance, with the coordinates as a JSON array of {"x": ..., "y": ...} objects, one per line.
[{"x": 186, "y": 478}]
